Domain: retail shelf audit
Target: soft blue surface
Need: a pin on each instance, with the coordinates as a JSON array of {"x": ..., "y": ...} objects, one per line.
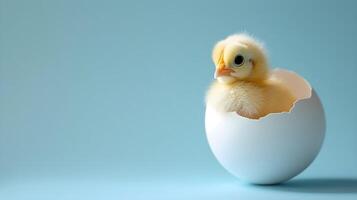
[{"x": 104, "y": 100}]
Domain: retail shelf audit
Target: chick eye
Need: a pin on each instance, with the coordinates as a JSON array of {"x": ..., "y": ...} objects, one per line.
[{"x": 238, "y": 60}]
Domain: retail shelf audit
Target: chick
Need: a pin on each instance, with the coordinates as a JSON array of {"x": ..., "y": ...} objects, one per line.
[{"x": 243, "y": 82}]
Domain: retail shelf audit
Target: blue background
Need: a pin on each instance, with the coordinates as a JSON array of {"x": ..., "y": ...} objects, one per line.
[{"x": 104, "y": 99}]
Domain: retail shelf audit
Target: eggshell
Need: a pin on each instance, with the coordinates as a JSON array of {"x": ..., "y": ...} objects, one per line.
[{"x": 274, "y": 148}]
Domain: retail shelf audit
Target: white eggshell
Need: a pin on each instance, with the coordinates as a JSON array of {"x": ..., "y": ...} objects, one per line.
[{"x": 274, "y": 148}]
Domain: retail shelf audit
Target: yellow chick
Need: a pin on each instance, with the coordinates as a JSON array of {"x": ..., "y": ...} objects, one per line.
[{"x": 243, "y": 82}]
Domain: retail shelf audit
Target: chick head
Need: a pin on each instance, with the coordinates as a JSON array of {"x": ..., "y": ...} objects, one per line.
[{"x": 240, "y": 57}]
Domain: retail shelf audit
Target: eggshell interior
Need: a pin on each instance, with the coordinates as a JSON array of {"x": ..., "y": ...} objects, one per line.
[{"x": 273, "y": 148}]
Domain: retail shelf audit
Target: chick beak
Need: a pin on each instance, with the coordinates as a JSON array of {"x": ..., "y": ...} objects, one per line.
[{"x": 221, "y": 69}]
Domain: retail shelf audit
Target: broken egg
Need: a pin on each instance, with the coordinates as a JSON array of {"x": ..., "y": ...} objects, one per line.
[{"x": 274, "y": 148}]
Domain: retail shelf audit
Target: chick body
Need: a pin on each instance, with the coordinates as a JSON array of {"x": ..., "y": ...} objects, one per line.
[
  {"x": 250, "y": 99},
  {"x": 243, "y": 97}
]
